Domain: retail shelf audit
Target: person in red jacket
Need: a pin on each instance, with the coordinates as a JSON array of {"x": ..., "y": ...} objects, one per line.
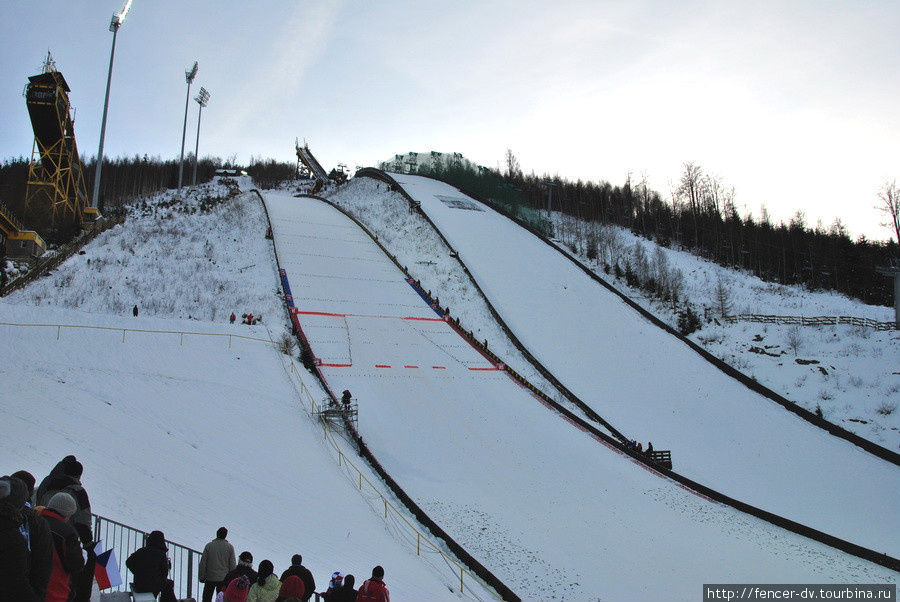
[
  {"x": 374, "y": 589},
  {"x": 67, "y": 558}
]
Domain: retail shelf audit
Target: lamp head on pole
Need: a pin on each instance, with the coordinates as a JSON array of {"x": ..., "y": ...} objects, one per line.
[
  {"x": 203, "y": 97},
  {"x": 192, "y": 73},
  {"x": 119, "y": 17}
]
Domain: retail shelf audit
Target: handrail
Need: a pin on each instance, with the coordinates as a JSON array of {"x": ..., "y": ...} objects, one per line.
[{"x": 125, "y": 540}]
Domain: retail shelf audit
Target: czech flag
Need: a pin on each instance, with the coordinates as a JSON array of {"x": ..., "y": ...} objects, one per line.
[{"x": 106, "y": 571}]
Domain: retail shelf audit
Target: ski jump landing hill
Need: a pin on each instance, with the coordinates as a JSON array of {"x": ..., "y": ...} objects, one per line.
[
  {"x": 651, "y": 386},
  {"x": 549, "y": 509}
]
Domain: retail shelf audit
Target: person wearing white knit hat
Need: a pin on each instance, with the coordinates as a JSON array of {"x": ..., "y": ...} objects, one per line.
[{"x": 68, "y": 561}]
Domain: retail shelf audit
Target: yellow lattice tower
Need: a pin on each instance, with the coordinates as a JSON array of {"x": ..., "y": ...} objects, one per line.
[{"x": 56, "y": 195}]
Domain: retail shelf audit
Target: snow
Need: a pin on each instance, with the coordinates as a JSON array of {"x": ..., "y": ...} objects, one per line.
[
  {"x": 553, "y": 512},
  {"x": 634, "y": 374},
  {"x": 189, "y": 433},
  {"x": 185, "y": 433},
  {"x": 861, "y": 379}
]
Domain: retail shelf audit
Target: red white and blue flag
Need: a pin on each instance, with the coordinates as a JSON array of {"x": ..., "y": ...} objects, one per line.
[{"x": 106, "y": 571}]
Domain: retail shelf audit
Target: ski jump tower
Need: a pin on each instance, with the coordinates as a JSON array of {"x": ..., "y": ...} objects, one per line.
[
  {"x": 56, "y": 194},
  {"x": 307, "y": 165}
]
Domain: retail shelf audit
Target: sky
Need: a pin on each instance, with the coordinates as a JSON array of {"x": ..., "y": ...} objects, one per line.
[{"x": 792, "y": 103}]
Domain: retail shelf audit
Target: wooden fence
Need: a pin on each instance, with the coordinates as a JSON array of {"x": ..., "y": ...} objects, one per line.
[{"x": 813, "y": 321}]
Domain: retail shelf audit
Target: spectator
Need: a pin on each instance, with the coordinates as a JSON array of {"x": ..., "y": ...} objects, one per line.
[
  {"x": 236, "y": 590},
  {"x": 345, "y": 593},
  {"x": 267, "y": 584},
  {"x": 67, "y": 559},
  {"x": 150, "y": 567},
  {"x": 292, "y": 590},
  {"x": 68, "y": 480},
  {"x": 649, "y": 447},
  {"x": 244, "y": 568},
  {"x": 217, "y": 561},
  {"x": 14, "y": 577},
  {"x": 346, "y": 397},
  {"x": 232, "y": 318},
  {"x": 337, "y": 580},
  {"x": 37, "y": 535},
  {"x": 304, "y": 573},
  {"x": 374, "y": 588},
  {"x": 134, "y": 312}
]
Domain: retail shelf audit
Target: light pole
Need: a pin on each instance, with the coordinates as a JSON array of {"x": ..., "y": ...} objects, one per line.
[
  {"x": 202, "y": 100},
  {"x": 189, "y": 77},
  {"x": 114, "y": 24}
]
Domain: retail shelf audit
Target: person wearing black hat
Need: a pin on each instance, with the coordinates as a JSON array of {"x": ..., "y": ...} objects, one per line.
[
  {"x": 14, "y": 566},
  {"x": 37, "y": 534},
  {"x": 374, "y": 588},
  {"x": 150, "y": 567},
  {"x": 66, "y": 476},
  {"x": 67, "y": 559},
  {"x": 243, "y": 568},
  {"x": 304, "y": 573}
]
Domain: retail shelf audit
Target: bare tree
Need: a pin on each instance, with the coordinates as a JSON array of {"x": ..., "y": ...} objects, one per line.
[
  {"x": 889, "y": 195},
  {"x": 689, "y": 190},
  {"x": 513, "y": 168}
]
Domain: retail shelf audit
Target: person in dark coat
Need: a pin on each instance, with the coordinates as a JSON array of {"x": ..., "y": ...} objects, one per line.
[
  {"x": 67, "y": 559},
  {"x": 244, "y": 567},
  {"x": 14, "y": 565},
  {"x": 150, "y": 567},
  {"x": 66, "y": 476},
  {"x": 134, "y": 312},
  {"x": 345, "y": 593},
  {"x": 37, "y": 533},
  {"x": 304, "y": 573}
]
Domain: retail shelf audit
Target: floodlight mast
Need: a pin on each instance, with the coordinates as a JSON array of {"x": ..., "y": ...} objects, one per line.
[
  {"x": 114, "y": 24},
  {"x": 202, "y": 99},
  {"x": 189, "y": 77}
]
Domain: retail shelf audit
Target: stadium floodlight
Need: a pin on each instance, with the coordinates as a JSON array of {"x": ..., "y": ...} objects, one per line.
[
  {"x": 114, "y": 24},
  {"x": 189, "y": 76},
  {"x": 202, "y": 99}
]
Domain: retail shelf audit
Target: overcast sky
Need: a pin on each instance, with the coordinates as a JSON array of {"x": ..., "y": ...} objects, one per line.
[{"x": 794, "y": 103}]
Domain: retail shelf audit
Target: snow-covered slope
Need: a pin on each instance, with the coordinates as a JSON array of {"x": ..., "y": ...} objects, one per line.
[
  {"x": 550, "y": 510},
  {"x": 653, "y": 388},
  {"x": 186, "y": 434}
]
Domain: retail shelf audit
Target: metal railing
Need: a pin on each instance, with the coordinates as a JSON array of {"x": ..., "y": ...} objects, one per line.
[{"x": 125, "y": 540}]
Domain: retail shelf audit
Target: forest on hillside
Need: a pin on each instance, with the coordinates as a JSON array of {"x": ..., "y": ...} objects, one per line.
[
  {"x": 127, "y": 179},
  {"x": 700, "y": 216}
]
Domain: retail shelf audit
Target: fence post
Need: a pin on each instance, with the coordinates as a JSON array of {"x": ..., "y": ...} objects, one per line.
[
  {"x": 460, "y": 580},
  {"x": 418, "y": 544},
  {"x": 123, "y": 335},
  {"x": 385, "y": 506},
  {"x": 340, "y": 454},
  {"x": 190, "y": 578},
  {"x": 181, "y": 340}
]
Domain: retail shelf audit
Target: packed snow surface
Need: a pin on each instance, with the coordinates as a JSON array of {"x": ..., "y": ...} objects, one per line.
[
  {"x": 549, "y": 509},
  {"x": 186, "y": 433},
  {"x": 652, "y": 387}
]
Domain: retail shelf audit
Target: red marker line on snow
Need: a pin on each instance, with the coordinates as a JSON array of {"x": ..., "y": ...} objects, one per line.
[
  {"x": 439, "y": 367},
  {"x": 424, "y": 319},
  {"x": 382, "y": 366},
  {"x": 410, "y": 366},
  {"x": 337, "y": 365},
  {"x": 491, "y": 369}
]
